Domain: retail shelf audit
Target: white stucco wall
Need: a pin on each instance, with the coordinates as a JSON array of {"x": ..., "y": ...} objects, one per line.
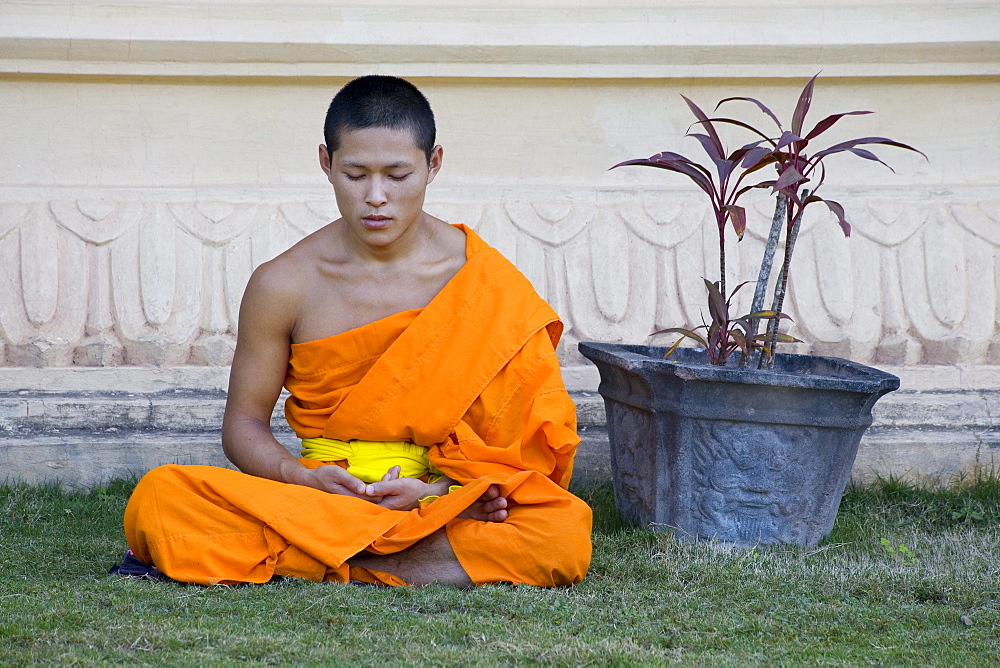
[{"x": 154, "y": 152}]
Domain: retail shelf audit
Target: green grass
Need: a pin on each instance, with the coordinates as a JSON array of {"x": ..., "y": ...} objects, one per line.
[{"x": 649, "y": 599}]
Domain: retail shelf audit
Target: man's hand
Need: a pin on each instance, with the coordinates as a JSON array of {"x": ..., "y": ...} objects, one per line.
[
  {"x": 331, "y": 478},
  {"x": 398, "y": 493}
]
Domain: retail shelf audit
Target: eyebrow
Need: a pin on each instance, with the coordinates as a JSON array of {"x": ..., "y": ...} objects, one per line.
[{"x": 358, "y": 165}]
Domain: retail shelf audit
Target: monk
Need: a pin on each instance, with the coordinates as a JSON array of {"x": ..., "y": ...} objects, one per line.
[{"x": 438, "y": 437}]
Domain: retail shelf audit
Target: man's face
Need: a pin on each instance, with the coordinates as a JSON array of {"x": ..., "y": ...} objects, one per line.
[{"x": 379, "y": 177}]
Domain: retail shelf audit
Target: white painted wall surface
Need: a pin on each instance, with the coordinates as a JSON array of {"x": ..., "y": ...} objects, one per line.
[{"x": 153, "y": 153}]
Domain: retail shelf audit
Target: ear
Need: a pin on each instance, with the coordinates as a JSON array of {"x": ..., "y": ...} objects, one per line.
[
  {"x": 434, "y": 164},
  {"x": 325, "y": 162}
]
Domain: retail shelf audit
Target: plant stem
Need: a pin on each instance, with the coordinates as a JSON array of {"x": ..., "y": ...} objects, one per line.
[
  {"x": 752, "y": 359},
  {"x": 779, "y": 289},
  {"x": 722, "y": 261}
]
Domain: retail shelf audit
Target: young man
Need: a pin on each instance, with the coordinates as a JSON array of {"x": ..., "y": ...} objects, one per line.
[{"x": 438, "y": 438}]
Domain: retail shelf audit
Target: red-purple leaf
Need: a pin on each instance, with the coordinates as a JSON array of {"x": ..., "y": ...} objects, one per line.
[
  {"x": 789, "y": 177},
  {"x": 720, "y": 152},
  {"x": 822, "y": 176},
  {"x": 741, "y": 124},
  {"x": 742, "y": 322},
  {"x": 759, "y": 104},
  {"x": 741, "y": 341},
  {"x": 828, "y": 122},
  {"x": 717, "y": 346},
  {"x": 868, "y": 155},
  {"x": 781, "y": 336},
  {"x": 802, "y": 106},
  {"x": 685, "y": 333},
  {"x": 737, "y": 155},
  {"x": 753, "y": 156},
  {"x": 739, "y": 287},
  {"x": 738, "y": 216},
  {"x": 668, "y": 158},
  {"x": 722, "y": 165},
  {"x": 793, "y": 198},
  {"x": 669, "y": 155},
  {"x": 717, "y": 308},
  {"x": 672, "y": 348},
  {"x": 769, "y": 160},
  {"x": 784, "y": 338},
  {"x": 708, "y": 144},
  {"x": 847, "y": 145},
  {"x": 725, "y": 168},
  {"x": 786, "y": 139},
  {"x": 767, "y": 315},
  {"x": 678, "y": 330},
  {"x": 838, "y": 211},
  {"x": 692, "y": 170},
  {"x": 762, "y": 184},
  {"x": 865, "y": 153}
]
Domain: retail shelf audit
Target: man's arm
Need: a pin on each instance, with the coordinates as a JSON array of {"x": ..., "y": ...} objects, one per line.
[{"x": 267, "y": 316}]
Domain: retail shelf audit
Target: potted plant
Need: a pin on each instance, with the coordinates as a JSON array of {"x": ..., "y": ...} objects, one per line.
[{"x": 733, "y": 441}]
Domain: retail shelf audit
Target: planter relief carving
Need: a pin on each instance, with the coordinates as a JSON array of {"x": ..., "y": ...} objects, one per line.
[{"x": 754, "y": 489}]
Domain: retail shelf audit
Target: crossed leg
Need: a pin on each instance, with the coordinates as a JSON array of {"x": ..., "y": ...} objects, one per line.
[
  {"x": 207, "y": 525},
  {"x": 432, "y": 560}
]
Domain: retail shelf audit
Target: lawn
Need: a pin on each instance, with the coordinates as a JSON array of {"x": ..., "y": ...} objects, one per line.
[{"x": 909, "y": 576}]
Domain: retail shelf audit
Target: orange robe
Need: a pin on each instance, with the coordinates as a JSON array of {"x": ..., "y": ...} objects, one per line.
[{"x": 473, "y": 376}]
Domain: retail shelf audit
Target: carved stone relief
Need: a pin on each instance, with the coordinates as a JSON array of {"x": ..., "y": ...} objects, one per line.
[
  {"x": 133, "y": 280},
  {"x": 634, "y": 465},
  {"x": 755, "y": 481}
]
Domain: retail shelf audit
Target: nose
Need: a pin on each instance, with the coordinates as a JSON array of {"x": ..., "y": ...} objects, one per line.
[{"x": 375, "y": 196}]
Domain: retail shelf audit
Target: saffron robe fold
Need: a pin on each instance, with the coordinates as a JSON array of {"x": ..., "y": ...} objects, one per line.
[{"x": 473, "y": 376}]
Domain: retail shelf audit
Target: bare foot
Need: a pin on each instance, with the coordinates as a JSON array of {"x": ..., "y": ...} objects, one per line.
[
  {"x": 491, "y": 507},
  {"x": 428, "y": 561}
]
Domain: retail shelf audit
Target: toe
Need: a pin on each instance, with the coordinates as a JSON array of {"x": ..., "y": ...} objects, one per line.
[{"x": 497, "y": 516}]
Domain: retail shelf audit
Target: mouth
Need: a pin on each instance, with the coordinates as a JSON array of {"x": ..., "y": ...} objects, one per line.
[{"x": 376, "y": 222}]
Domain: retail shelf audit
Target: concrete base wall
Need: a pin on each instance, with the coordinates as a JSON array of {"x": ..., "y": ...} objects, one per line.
[{"x": 56, "y": 429}]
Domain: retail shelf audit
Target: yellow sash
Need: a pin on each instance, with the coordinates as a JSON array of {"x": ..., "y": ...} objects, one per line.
[{"x": 369, "y": 460}]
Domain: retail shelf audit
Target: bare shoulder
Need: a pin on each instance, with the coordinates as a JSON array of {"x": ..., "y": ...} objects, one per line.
[
  {"x": 288, "y": 274},
  {"x": 278, "y": 288},
  {"x": 276, "y": 281},
  {"x": 451, "y": 244}
]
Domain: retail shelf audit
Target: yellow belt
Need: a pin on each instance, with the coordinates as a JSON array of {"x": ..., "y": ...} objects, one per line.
[{"x": 369, "y": 460}]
